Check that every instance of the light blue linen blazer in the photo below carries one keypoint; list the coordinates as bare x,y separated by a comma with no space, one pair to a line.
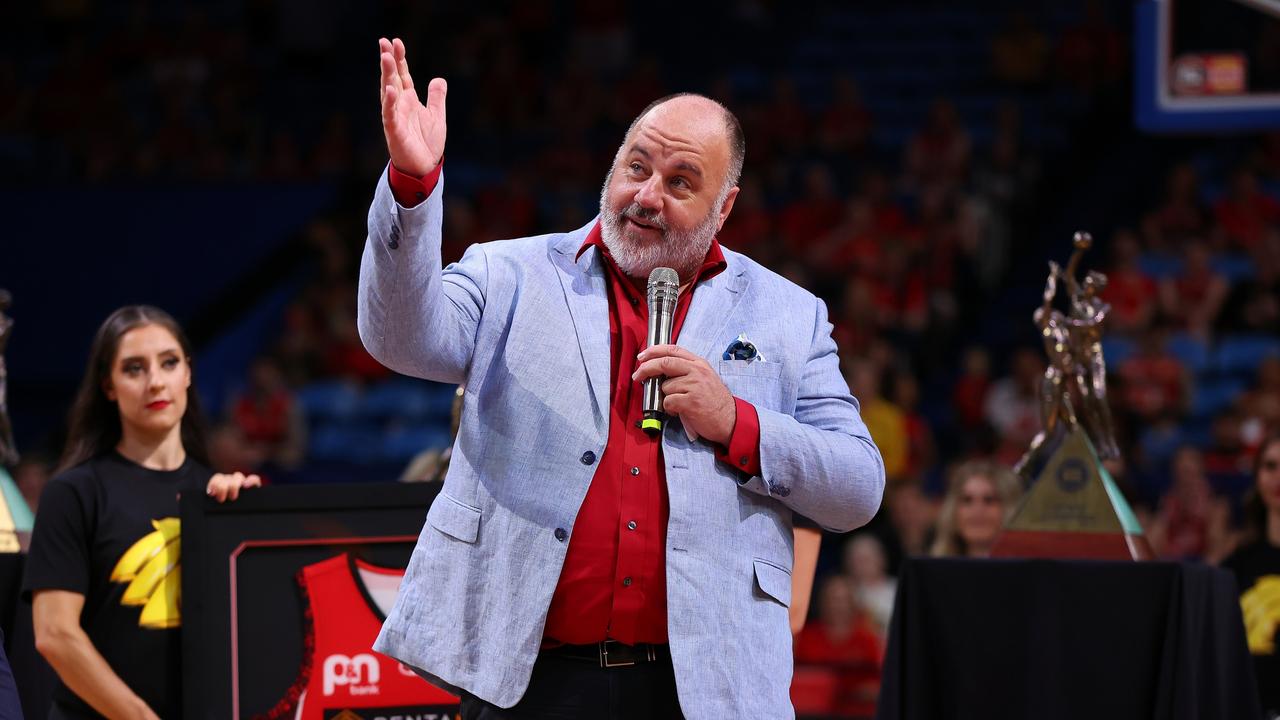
526,326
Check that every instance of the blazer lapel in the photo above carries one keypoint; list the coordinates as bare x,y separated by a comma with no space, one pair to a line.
705,329
587,293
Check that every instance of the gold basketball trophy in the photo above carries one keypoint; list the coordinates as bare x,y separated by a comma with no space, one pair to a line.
1073,508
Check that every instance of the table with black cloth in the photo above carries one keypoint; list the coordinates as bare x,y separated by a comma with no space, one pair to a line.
1046,639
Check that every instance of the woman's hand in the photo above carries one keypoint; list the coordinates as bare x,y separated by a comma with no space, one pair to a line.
226,486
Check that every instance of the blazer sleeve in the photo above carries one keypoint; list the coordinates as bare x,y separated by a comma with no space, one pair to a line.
820,460
413,316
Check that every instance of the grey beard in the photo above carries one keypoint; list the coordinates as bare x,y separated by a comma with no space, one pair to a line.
679,250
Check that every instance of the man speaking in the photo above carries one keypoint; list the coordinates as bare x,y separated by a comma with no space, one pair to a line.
578,564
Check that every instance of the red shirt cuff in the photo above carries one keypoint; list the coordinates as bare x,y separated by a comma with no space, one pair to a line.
410,190
743,453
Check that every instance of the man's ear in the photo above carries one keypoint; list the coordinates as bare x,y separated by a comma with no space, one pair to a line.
727,207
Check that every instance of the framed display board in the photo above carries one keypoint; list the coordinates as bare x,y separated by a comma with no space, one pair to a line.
249,636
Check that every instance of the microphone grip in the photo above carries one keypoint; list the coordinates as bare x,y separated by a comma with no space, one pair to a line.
660,325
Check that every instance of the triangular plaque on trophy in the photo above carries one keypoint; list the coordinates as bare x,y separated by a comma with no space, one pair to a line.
1073,510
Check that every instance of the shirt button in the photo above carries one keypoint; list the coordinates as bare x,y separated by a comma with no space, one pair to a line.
635,471
744,460
631,525
420,195
588,457
626,582
561,534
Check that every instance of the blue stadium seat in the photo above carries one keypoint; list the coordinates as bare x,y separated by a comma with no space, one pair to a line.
1158,266
1191,351
330,399
1212,395
397,398
1234,268
1117,349
401,444
347,442
1241,354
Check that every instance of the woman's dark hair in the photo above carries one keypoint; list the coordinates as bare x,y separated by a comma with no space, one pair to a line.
94,421
1255,510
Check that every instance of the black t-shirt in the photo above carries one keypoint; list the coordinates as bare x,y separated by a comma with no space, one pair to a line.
1257,570
88,518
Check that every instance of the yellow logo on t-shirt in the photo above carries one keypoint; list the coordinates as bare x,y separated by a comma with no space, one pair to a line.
1261,606
150,566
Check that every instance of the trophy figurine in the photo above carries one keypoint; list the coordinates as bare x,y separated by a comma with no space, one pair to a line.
1073,508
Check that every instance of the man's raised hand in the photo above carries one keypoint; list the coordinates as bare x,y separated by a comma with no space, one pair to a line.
415,131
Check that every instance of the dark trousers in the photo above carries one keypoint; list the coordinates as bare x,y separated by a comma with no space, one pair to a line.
568,689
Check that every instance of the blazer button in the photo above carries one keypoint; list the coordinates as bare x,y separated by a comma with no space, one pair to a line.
561,534
393,244
588,457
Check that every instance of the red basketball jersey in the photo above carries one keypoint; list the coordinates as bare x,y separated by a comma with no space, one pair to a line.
344,677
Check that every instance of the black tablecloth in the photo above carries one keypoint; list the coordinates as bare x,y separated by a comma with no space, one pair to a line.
1042,639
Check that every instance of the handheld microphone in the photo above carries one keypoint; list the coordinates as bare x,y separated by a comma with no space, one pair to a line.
664,290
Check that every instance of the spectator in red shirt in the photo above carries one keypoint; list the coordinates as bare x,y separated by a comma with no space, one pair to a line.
939,152
1192,522
268,417
843,640
1153,383
1246,212
1130,292
1191,300
1180,216
970,389
812,215
845,125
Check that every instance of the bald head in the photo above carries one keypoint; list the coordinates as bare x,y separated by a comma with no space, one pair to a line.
699,112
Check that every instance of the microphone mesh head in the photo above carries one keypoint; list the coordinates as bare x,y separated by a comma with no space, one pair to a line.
663,283
664,275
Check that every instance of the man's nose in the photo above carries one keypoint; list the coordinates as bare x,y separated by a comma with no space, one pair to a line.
649,196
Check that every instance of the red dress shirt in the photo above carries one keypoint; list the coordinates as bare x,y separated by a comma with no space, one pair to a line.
613,582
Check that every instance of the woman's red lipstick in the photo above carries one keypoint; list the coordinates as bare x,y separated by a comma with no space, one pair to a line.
158,405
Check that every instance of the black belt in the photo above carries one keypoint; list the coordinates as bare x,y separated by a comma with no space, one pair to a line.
611,653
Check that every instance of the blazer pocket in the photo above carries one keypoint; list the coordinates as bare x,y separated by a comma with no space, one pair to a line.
454,518
773,581
749,368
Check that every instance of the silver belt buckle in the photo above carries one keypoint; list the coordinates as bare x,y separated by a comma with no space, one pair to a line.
604,657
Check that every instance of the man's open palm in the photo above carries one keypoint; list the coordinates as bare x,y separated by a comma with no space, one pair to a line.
415,131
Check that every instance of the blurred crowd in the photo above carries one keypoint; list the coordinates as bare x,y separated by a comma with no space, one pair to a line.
913,235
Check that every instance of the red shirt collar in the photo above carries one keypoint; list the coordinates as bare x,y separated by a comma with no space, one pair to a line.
712,265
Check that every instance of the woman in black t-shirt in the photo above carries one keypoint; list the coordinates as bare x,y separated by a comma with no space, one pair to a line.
103,570
1257,568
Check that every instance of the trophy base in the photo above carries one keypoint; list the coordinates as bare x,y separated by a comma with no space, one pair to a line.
1065,545
1073,510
